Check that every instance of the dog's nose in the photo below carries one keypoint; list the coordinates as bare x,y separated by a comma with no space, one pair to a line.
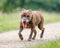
24,22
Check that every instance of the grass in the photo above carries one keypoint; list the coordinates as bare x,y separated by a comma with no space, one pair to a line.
51,44
50,19
11,21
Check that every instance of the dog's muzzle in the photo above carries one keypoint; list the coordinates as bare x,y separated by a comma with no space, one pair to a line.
24,22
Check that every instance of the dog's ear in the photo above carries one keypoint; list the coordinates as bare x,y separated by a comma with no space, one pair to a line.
30,10
21,11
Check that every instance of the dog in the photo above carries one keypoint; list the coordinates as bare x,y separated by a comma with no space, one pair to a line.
31,19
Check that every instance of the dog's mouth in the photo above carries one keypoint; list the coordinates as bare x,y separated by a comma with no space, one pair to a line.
24,25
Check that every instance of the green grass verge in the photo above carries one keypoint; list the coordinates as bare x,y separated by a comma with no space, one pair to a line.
51,44
51,19
11,21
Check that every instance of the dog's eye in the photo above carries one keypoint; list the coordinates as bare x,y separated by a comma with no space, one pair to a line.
27,16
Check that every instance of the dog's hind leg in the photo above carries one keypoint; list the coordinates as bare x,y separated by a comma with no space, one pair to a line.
20,35
40,26
42,33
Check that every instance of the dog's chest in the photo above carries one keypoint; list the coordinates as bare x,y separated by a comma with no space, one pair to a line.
29,25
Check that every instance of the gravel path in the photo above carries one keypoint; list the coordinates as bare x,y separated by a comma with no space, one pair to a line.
11,40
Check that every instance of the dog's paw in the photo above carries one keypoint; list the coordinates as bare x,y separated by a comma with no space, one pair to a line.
21,38
41,36
29,39
33,38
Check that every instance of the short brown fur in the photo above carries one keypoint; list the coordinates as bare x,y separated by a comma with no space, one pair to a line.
37,20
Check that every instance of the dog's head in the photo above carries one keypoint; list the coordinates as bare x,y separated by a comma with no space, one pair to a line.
26,17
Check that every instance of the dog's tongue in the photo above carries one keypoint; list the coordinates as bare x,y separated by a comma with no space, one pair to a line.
24,25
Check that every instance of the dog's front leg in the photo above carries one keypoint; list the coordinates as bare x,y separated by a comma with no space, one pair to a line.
20,35
35,32
30,36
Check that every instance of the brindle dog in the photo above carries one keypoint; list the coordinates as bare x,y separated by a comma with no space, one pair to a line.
31,19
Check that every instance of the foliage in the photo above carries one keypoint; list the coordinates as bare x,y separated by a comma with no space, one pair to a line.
48,5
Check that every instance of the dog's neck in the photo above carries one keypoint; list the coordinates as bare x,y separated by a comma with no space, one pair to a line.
30,22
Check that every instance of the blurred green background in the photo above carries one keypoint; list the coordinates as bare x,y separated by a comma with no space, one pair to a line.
10,12
48,5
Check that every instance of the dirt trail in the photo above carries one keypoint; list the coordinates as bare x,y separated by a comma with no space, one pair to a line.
11,40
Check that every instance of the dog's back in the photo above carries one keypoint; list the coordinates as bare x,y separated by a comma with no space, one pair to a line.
37,17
